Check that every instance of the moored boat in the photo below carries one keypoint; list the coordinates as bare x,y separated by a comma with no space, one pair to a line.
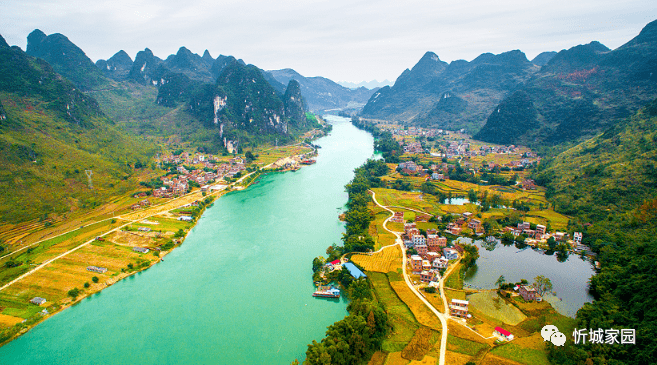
326,291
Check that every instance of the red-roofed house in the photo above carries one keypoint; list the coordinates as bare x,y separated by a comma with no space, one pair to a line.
503,333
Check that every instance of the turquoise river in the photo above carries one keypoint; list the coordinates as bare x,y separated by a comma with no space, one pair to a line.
238,290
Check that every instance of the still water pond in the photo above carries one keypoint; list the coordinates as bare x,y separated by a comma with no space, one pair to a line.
569,278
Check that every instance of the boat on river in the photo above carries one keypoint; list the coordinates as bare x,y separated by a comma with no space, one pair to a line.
326,291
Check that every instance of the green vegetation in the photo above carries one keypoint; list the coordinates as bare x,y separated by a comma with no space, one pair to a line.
52,134
608,185
354,339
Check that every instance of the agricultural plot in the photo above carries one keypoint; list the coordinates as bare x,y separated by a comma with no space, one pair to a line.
420,345
423,314
455,358
464,346
397,198
520,354
389,259
395,358
401,318
490,304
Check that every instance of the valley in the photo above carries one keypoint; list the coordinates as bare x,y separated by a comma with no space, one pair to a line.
188,206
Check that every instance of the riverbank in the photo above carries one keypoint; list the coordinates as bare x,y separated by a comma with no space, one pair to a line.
252,246
64,278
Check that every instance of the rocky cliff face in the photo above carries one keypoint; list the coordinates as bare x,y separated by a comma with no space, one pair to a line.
295,105
146,68
116,67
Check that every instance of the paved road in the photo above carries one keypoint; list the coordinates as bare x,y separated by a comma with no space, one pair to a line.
442,316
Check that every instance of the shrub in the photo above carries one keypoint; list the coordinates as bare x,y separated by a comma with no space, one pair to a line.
74,293
86,285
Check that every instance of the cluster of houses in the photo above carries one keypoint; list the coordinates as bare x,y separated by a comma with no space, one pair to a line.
432,255
414,147
179,185
465,221
539,233
142,203
417,131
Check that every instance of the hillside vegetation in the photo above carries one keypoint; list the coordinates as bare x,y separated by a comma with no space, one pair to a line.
50,135
608,183
580,92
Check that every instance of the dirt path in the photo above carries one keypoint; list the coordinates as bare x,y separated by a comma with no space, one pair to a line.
443,317
150,212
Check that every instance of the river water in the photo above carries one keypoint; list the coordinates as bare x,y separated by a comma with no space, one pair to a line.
238,291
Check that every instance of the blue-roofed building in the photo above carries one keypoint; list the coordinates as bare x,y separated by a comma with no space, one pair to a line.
354,271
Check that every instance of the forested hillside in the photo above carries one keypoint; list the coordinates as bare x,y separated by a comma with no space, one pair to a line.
457,95
608,184
50,134
578,93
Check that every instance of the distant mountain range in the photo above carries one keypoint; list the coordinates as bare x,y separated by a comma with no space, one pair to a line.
453,96
505,98
578,93
366,84
323,94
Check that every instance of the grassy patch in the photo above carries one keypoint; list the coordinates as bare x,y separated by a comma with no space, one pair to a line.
401,318
520,354
455,279
464,346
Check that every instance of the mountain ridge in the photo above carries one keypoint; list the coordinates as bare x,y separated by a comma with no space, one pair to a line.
578,93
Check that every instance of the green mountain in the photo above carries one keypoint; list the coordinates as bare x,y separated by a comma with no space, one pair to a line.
66,58
50,134
543,58
117,67
146,68
321,93
609,185
191,65
578,93
295,105
452,96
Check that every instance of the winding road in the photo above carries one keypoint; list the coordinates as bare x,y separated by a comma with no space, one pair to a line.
442,316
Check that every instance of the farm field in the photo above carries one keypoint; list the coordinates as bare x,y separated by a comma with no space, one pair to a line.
401,318
389,259
490,304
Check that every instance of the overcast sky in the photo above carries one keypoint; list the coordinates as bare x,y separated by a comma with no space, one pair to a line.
350,40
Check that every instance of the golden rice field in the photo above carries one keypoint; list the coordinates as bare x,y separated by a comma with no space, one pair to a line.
386,260
423,314
420,344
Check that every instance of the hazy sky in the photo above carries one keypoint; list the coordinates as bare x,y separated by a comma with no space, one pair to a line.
350,40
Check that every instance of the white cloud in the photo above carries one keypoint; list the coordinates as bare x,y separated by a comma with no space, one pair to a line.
343,40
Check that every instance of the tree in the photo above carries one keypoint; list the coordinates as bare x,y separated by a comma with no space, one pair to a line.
542,284
472,196
74,293
318,262
94,279
552,243
501,280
